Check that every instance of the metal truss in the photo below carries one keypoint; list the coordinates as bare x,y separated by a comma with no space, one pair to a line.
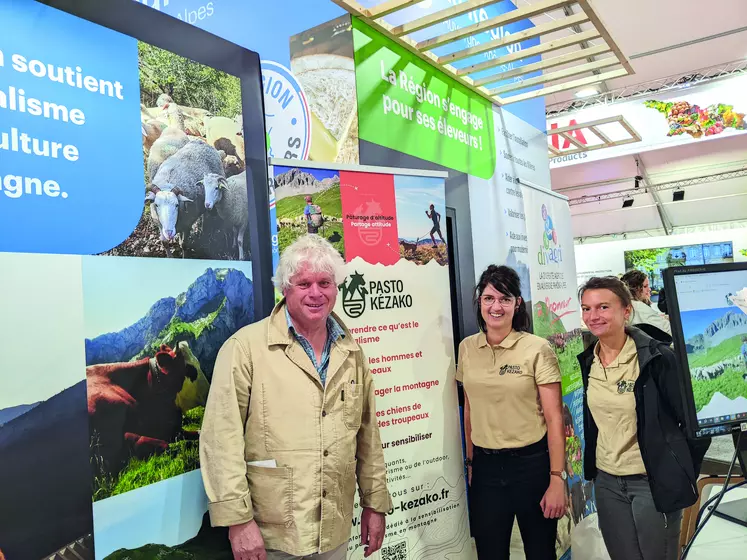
660,187
677,81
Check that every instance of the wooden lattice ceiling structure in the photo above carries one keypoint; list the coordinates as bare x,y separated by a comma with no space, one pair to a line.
575,63
605,141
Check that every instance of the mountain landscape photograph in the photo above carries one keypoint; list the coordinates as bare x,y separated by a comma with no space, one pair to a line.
292,186
44,443
150,351
714,342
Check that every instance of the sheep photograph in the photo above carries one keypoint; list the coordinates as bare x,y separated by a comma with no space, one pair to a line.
194,167
308,201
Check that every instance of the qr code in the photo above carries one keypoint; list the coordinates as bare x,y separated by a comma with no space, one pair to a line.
395,552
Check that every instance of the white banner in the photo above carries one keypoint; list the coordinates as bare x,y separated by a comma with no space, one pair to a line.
410,352
499,222
672,118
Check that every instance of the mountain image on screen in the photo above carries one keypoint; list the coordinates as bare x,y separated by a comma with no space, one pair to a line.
717,357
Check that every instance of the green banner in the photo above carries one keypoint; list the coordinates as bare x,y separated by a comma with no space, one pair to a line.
407,105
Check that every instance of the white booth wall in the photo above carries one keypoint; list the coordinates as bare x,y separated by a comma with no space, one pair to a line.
608,257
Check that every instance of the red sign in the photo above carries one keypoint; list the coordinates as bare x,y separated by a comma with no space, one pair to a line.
369,217
578,134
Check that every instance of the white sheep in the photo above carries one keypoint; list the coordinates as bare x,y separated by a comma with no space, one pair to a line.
225,134
177,195
171,140
229,198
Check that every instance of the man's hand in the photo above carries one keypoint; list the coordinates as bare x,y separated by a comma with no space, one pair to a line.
373,527
247,542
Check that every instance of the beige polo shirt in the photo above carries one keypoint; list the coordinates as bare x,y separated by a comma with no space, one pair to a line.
612,404
501,385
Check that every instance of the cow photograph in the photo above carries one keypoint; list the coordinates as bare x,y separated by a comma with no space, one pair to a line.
150,348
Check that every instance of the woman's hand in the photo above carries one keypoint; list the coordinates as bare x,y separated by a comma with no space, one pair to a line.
554,503
469,475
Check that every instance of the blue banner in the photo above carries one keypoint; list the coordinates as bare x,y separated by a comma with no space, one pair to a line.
71,156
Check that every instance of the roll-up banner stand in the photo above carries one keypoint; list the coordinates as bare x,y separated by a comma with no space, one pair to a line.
390,227
556,316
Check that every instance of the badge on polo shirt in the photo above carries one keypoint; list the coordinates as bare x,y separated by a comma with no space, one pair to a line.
511,370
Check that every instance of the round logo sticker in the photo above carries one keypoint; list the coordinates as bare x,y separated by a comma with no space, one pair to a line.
287,114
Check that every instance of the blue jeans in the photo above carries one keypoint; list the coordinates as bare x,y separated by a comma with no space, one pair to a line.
631,527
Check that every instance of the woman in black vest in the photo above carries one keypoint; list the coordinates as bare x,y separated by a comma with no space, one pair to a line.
643,465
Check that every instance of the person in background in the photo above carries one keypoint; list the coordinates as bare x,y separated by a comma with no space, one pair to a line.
643,465
662,303
313,215
290,424
513,424
640,288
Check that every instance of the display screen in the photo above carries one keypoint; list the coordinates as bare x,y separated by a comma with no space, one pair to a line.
713,315
654,261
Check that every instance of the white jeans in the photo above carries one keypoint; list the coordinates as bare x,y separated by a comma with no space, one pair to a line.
336,554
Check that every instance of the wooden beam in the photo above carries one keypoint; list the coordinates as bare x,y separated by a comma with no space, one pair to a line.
381,26
599,147
630,130
599,134
559,75
598,24
545,64
573,141
386,8
544,29
352,7
553,151
508,18
441,15
597,78
530,52
597,122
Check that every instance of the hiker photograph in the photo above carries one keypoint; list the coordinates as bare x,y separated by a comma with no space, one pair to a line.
308,201
420,237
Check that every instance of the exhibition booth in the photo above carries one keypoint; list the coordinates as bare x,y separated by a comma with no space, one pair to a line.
157,157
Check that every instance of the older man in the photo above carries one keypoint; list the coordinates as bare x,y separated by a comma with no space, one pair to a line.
290,424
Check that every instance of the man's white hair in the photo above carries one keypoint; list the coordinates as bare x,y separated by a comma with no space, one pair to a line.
314,252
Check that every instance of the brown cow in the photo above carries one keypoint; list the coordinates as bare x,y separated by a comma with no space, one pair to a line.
132,405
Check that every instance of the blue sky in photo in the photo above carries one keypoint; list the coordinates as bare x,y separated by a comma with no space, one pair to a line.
318,174
118,291
695,322
414,196
127,520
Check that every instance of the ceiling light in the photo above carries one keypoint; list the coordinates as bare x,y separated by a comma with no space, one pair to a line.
587,92
627,202
678,195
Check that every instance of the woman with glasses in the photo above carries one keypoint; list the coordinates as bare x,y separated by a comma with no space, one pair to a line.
513,424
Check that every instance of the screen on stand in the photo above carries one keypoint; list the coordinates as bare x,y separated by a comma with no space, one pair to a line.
713,315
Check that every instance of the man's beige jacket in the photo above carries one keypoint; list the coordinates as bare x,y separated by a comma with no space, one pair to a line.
266,402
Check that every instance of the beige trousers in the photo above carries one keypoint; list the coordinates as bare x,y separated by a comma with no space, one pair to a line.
336,554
